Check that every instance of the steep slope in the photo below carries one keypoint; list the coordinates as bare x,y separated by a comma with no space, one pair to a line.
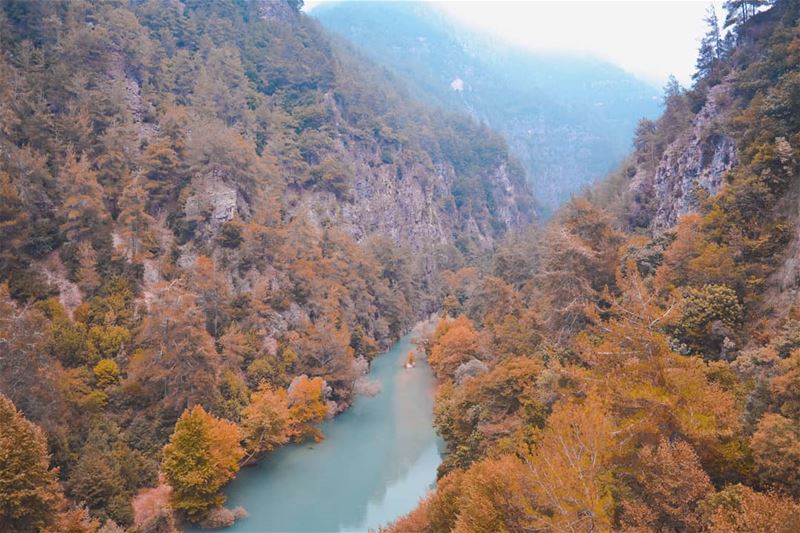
213,204
569,119
635,365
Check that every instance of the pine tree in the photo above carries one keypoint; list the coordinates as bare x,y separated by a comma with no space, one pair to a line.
711,46
29,492
177,363
672,89
137,224
740,11
88,278
82,207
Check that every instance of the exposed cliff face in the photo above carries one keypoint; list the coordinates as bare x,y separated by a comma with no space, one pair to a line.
700,156
377,180
412,201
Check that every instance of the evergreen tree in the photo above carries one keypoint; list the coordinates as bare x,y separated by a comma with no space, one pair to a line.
82,206
177,365
711,46
672,89
740,11
136,224
88,278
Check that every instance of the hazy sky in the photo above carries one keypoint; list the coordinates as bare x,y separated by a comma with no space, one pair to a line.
651,39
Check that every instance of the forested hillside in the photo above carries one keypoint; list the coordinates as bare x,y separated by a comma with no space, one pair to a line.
569,118
635,365
212,217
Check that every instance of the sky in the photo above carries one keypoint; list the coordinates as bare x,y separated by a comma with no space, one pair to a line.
648,38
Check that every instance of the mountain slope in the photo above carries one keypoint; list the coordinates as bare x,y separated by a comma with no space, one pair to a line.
218,205
635,364
569,119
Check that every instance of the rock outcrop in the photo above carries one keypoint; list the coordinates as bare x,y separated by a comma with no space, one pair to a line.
700,156
413,202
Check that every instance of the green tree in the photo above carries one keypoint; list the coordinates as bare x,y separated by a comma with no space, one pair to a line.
710,315
710,46
740,11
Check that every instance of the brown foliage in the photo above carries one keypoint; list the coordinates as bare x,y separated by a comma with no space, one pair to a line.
667,486
739,509
455,343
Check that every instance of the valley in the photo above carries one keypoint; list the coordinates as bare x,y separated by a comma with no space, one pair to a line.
222,224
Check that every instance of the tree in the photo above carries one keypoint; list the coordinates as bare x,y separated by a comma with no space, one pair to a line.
82,207
213,290
108,473
740,11
739,509
709,315
650,389
163,169
456,342
667,488
29,375
202,456
176,362
568,471
88,278
30,496
327,353
137,226
672,89
785,387
579,260
306,399
106,373
266,420
776,449
493,497
77,520
711,46
503,404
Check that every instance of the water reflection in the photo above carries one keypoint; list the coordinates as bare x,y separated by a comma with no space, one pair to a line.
378,459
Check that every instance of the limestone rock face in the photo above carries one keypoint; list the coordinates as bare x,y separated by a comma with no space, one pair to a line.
215,201
699,157
275,9
414,201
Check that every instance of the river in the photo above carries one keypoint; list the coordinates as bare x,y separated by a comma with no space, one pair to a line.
377,460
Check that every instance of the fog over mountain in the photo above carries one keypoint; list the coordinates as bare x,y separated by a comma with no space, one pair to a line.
569,118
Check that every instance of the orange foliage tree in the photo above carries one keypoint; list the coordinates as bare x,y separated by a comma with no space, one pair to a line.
455,342
307,407
266,420
202,455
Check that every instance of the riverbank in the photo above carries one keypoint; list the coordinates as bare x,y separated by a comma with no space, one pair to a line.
378,459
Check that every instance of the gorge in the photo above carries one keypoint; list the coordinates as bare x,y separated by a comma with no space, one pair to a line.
219,222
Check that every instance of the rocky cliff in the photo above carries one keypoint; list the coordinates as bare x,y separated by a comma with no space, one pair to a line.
694,164
374,172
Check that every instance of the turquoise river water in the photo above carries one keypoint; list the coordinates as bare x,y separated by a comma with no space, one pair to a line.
376,462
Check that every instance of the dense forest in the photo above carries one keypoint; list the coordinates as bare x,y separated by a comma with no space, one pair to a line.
212,217
635,364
